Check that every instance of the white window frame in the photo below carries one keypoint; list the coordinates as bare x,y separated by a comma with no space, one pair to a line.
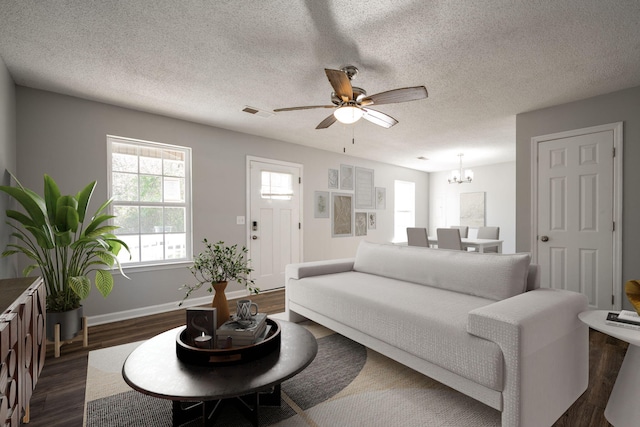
187,204
400,230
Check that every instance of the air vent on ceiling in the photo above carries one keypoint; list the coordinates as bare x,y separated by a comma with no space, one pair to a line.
257,111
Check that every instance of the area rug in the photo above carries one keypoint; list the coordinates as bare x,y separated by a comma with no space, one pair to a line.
346,385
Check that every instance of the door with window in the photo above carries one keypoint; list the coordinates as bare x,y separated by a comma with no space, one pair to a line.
575,237
274,220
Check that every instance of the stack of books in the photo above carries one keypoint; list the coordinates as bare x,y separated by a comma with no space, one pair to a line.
242,333
624,319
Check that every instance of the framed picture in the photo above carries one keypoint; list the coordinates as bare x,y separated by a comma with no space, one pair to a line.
381,198
472,209
361,224
365,196
372,219
346,177
341,215
321,204
334,176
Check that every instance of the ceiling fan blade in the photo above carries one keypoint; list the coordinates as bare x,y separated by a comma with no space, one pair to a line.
307,107
396,95
378,118
327,122
340,83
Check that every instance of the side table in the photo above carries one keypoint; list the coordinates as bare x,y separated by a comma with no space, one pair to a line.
622,408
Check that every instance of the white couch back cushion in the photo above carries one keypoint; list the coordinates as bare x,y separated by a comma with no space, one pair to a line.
493,276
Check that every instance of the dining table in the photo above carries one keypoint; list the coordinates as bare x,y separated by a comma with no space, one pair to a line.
479,244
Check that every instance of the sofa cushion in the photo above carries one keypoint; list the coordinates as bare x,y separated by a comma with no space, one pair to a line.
494,276
427,322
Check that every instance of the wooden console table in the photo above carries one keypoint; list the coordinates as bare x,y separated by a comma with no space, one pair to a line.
22,345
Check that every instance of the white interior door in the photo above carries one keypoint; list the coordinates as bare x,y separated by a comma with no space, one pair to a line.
274,220
575,214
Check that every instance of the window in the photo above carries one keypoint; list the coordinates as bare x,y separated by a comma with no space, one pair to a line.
276,185
404,209
151,188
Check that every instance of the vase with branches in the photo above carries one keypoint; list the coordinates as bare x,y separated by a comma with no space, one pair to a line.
217,265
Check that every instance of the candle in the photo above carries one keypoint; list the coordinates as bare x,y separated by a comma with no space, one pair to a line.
203,341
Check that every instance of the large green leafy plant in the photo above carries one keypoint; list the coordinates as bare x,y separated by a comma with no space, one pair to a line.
220,263
52,234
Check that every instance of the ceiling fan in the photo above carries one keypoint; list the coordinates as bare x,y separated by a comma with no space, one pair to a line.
352,103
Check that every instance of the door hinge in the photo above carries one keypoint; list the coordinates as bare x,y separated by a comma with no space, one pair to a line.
299,226
299,180
614,226
614,151
613,299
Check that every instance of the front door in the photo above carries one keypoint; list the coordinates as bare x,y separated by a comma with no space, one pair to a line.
575,213
274,220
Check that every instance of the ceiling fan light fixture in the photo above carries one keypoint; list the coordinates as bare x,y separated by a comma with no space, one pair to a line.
350,103
348,114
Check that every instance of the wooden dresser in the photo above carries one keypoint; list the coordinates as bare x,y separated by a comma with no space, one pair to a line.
22,345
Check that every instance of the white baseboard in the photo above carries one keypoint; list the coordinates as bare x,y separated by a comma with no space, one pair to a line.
156,309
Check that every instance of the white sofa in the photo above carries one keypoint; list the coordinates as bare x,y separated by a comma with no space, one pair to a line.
478,323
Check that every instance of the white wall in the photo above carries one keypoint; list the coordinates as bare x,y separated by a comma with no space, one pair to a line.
8,266
499,184
65,137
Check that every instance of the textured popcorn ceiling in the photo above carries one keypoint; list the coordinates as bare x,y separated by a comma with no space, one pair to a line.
483,62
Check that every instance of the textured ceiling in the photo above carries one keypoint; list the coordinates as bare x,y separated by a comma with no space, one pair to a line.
482,62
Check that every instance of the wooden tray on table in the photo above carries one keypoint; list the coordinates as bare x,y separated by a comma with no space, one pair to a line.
227,356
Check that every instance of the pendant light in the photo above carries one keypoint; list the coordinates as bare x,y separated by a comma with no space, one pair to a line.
457,176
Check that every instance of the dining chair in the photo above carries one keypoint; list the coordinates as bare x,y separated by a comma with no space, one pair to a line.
489,233
449,238
464,230
417,236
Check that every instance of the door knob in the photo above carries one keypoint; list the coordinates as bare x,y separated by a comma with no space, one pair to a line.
254,237
544,238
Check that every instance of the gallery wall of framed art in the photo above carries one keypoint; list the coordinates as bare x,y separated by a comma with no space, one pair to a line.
351,201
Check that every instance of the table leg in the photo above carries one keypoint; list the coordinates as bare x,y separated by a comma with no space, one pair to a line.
622,409
208,411
271,398
249,405
183,412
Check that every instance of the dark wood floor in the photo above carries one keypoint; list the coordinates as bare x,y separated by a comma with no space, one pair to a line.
58,399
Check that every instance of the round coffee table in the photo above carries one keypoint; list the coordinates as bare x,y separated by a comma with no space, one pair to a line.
154,369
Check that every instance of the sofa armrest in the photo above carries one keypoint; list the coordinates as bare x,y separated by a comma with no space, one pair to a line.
294,272
318,268
546,352
534,318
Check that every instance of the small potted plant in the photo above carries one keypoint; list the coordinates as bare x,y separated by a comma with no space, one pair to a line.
216,266
52,235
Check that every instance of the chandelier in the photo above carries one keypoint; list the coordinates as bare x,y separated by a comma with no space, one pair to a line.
457,177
